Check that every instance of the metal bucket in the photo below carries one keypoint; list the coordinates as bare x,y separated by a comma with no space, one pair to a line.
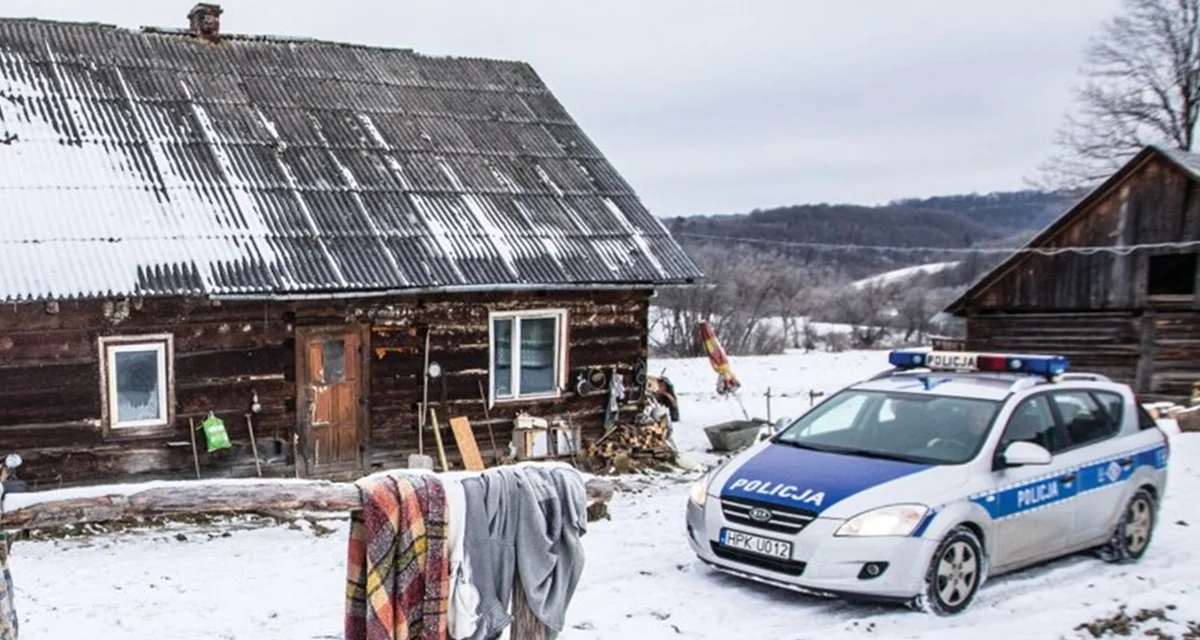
734,435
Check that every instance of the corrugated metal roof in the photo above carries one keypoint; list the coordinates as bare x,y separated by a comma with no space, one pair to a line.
149,163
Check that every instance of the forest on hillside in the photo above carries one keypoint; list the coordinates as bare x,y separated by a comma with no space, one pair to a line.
955,222
767,287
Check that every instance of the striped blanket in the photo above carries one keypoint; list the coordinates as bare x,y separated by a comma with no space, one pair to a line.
397,583
8,613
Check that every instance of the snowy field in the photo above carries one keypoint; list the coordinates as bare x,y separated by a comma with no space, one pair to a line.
641,580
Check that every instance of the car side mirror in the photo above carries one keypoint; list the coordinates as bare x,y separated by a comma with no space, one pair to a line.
1020,454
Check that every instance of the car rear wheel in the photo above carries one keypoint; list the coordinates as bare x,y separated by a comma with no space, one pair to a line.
1132,536
955,573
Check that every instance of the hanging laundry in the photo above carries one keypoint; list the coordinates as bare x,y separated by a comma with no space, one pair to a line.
398,575
549,550
8,612
527,521
461,616
9,624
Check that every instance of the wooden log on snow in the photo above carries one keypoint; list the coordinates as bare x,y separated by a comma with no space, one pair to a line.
114,502
60,507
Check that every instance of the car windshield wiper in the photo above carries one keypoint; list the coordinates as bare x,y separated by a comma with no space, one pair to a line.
850,451
807,445
883,455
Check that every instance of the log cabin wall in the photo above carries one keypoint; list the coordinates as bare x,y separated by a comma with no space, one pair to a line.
1136,317
225,354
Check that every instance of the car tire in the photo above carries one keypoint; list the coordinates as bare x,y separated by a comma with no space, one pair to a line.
1133,532
956,571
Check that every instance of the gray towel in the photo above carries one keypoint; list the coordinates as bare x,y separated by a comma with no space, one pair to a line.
527,519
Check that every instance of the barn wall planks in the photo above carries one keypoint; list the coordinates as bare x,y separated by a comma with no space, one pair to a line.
1097,308
1158,353
1106,343
1176,354
1157,203
229,353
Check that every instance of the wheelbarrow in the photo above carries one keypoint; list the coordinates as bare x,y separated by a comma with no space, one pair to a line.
734,435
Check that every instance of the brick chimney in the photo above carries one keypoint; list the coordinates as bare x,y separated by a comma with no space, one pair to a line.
204,21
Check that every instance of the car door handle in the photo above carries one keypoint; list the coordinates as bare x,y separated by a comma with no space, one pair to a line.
1070,477
1126,462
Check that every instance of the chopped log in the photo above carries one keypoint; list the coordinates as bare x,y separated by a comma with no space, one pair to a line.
525,625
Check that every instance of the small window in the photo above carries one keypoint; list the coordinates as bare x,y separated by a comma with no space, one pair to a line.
1085,421
527,354
1114,407
1033,422
333,361
1145,420
137,380
1172,274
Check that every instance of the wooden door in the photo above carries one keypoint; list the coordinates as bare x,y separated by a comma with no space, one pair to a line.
331,379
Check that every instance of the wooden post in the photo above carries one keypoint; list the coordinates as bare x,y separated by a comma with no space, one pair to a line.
195,452
253,444
525,625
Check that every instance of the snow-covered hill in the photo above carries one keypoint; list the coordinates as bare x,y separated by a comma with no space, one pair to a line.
897,275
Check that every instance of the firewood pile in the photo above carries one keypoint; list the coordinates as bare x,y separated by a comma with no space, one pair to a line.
627,447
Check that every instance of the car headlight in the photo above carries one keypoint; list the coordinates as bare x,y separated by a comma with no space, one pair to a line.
896,520
699,493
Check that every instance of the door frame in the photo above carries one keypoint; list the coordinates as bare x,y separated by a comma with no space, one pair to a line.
303,426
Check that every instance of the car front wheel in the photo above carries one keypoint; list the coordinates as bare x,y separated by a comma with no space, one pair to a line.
955,573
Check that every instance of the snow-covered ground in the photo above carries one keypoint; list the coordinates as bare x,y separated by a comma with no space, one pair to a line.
640,581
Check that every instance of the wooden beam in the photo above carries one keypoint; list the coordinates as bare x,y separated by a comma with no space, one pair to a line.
41,509
115,502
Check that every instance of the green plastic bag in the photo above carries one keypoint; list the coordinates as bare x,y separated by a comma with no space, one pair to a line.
215,435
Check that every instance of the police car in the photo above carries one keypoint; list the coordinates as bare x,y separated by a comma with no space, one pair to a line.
915,485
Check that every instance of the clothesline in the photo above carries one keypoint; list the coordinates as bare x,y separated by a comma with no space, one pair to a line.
460,555
104,503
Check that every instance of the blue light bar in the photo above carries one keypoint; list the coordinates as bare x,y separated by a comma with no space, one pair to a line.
1037,364
902,359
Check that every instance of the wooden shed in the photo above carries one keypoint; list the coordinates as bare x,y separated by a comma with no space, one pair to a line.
197,223
1132,313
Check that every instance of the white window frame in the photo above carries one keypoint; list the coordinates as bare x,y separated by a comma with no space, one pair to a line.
560,354
164,346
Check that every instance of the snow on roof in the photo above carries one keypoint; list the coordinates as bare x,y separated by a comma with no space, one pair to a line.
151,163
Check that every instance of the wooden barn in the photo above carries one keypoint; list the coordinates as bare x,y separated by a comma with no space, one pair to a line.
1132,314
278,233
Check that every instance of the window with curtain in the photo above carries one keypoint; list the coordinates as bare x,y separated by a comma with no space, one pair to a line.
527,354
137,381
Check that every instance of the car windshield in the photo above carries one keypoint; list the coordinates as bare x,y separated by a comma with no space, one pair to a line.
926,428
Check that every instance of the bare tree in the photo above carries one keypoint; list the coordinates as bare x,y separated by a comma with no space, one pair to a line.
743,289
1142,86
869,310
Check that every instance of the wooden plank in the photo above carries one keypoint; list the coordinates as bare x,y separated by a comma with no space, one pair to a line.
465,439
1144,376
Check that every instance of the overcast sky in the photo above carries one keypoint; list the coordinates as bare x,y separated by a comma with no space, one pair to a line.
710,106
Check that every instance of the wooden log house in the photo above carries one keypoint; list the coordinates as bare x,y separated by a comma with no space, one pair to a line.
197,223
1133,316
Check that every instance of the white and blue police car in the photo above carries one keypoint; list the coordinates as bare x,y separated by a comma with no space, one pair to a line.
917,484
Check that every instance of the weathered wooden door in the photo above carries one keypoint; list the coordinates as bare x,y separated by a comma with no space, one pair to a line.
331,380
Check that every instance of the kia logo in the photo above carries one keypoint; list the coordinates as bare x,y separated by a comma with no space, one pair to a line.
758,514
